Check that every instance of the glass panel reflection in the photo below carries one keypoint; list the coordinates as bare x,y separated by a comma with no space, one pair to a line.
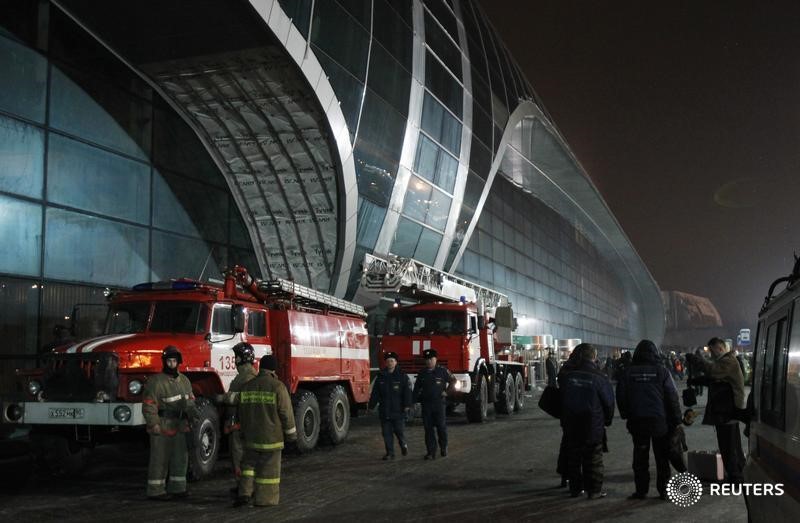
21,157
117,254
24,80
120,187
21,236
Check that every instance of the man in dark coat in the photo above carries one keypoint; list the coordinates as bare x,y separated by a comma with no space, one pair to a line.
725,382
430,390
392,393
550,367
648,400
587,407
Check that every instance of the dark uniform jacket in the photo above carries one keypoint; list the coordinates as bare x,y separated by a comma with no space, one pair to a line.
431,386
646,395
265,413
392,393
587,402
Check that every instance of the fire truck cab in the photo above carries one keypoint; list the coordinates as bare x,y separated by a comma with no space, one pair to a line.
469,326
89,391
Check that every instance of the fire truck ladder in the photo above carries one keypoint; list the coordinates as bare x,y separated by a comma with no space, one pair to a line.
308,297
411,278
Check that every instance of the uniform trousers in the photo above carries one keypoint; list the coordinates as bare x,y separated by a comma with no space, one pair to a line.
168,455
434,419
641,462
261,476
584,465
391,428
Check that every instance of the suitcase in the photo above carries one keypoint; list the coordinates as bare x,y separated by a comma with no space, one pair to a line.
706,465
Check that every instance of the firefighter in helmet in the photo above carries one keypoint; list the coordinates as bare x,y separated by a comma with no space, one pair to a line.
169,408
265,412
245,357
430,390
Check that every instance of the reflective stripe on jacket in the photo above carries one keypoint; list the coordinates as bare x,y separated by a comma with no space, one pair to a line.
265,413
173,397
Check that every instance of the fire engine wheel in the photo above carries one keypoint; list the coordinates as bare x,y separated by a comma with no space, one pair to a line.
507,397
519,399
59,455
334,406
477,405
307,419
205,440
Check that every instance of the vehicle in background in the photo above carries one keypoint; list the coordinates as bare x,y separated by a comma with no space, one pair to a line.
468,325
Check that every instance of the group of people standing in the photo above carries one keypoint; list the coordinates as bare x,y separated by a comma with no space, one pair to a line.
259,420
647,399
260,417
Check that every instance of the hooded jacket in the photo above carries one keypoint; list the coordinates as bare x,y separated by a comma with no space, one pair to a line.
587,401
646,395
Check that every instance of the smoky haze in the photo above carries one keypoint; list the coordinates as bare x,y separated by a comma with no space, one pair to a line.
686,117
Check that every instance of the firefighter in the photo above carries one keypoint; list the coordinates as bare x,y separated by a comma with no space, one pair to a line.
245,357
265,413
392,391
168,407
430,390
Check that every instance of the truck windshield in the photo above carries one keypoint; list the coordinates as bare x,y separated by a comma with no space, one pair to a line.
179,316
127,318
426,322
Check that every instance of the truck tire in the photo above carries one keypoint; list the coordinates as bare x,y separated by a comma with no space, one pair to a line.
477,404
58,455
307,419
334,406
519,399
506,398
205,441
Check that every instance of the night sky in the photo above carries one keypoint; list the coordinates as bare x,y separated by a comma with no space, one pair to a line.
686,115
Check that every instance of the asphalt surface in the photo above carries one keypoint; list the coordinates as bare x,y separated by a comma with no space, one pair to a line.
502,470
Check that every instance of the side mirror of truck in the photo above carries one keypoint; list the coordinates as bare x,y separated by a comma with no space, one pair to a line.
237,318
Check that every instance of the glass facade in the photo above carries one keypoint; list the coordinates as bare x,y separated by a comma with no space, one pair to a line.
224,147
555,278
101,183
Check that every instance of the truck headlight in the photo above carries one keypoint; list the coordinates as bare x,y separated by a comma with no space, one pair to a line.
135,387
13,412
457,385
34,387
122,413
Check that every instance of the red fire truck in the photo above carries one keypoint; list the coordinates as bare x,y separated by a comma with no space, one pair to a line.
91,390
468,325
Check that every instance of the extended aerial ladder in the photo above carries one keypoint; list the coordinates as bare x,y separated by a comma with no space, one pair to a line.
409,278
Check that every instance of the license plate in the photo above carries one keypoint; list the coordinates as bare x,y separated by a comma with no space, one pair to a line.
66,413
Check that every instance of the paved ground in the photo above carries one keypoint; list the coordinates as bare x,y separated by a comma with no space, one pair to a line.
502,470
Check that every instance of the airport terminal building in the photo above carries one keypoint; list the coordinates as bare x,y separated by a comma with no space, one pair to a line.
161,139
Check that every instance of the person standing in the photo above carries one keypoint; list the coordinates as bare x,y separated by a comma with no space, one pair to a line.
266,416
168,407
648,400
725,382
392,394
245,357
562,467
430,390
551,368
587,407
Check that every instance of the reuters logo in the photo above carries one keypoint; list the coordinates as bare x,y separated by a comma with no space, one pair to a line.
684,489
